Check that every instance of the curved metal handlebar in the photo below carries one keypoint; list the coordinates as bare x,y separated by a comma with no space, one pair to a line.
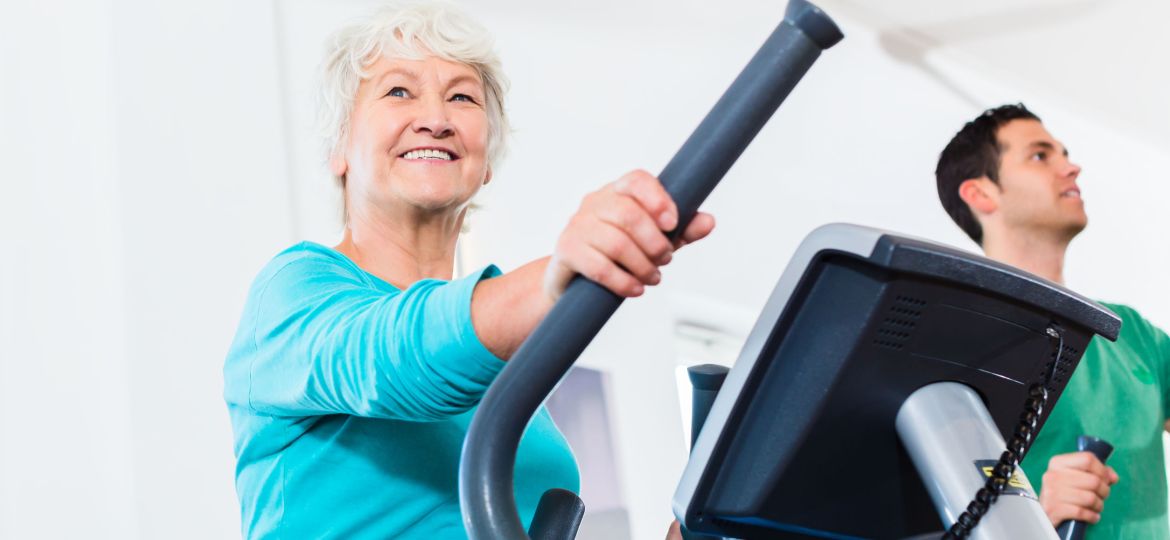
489,452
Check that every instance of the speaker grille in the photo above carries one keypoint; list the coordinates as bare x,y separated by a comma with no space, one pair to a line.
898,326
1062,371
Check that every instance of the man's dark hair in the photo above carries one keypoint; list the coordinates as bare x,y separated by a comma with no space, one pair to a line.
972,153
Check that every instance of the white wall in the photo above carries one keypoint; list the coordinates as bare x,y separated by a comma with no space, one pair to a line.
156,154
204,203
66,449
144,184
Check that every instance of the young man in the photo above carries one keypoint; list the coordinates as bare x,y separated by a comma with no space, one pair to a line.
1011,187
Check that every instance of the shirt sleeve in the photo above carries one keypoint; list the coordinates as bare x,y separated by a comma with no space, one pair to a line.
1161,356
327,343
1152,344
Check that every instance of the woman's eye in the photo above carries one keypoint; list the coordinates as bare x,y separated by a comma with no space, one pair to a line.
398,91
463,97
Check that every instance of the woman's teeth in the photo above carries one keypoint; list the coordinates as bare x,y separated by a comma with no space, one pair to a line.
427,154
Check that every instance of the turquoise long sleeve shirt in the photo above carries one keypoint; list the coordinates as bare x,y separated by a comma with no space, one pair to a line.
350,400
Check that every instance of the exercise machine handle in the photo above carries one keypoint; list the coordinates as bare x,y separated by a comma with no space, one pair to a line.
706,380
489,453
558,516
1075,530
488,460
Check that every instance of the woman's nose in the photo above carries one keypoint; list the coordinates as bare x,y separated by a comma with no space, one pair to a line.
433,118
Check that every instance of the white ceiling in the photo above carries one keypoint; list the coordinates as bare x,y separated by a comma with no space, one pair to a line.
1109,59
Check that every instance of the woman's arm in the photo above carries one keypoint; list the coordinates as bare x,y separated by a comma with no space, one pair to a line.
323,342
320,340
504,310
617,238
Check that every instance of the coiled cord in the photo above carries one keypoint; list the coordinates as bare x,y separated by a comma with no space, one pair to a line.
1017,447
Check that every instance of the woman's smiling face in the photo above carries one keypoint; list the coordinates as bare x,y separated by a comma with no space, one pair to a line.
417,138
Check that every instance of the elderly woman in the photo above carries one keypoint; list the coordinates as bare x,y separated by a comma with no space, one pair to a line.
356,369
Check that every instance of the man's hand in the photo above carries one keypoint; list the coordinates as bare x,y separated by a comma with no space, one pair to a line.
617,237
674,532
1075,487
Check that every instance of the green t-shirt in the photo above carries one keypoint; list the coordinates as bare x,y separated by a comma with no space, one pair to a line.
1119,393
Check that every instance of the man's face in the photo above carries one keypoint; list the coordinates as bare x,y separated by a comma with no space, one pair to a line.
1037,182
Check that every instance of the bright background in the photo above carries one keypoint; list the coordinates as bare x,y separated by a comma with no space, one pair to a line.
155,154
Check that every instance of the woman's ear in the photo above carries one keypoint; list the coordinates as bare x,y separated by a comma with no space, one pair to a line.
487,177
981,194
338,165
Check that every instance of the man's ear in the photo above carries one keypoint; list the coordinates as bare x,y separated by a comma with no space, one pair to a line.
487,177
338,165
981,194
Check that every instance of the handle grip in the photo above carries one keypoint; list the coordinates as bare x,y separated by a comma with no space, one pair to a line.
1075,530
558,516
706,380
489,452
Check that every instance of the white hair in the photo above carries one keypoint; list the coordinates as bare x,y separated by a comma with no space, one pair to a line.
414,31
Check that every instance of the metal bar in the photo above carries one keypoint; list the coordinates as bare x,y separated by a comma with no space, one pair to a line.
950,437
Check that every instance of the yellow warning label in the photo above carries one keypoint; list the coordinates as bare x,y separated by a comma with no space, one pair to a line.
1017,485
1017,480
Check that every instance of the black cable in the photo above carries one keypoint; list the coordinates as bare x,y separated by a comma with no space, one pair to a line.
1017,448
